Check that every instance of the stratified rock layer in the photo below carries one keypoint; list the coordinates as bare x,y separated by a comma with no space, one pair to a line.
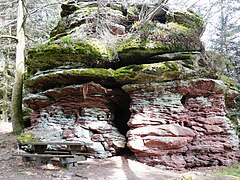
180,124
81,113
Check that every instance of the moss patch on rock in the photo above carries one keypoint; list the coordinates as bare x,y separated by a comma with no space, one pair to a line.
228,81
188,19
28,137
65,51
70,77
158,72
157,38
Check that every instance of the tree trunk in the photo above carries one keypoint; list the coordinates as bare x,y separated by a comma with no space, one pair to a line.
223,16
5,90
17,119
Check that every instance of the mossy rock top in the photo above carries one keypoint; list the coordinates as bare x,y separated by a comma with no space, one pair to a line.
62,78
143,73
188,19
156,72
155,39
75,45
68,52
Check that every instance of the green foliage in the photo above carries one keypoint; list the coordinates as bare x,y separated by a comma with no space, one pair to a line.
235,115
218,67
233,170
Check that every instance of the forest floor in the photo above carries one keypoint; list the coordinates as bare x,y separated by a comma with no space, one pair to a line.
115,168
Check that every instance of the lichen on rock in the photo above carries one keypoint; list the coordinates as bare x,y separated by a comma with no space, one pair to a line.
28,137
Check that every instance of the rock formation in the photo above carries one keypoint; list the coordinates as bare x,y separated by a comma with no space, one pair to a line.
81,113
180,124
146,84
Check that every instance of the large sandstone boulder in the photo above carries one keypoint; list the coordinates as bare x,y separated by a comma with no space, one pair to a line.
147,84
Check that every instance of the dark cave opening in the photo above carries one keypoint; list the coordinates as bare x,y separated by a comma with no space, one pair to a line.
122,116
183,100
121,119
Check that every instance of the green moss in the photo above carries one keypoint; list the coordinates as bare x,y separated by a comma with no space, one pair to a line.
106,52
86,10
159,39
66,52
188,19
67,39
28,137
70,77
228,81
145,73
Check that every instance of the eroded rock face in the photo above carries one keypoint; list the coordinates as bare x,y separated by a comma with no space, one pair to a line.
180,124
82,113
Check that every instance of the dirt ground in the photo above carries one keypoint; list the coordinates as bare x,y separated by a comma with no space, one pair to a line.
115,168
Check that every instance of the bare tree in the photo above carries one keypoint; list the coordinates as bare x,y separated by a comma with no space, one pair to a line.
9,20
17,118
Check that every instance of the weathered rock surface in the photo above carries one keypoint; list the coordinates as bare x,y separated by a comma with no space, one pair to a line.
76,42
181,124
58,78
81,113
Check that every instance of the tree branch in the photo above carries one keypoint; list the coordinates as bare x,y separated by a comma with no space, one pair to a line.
8,36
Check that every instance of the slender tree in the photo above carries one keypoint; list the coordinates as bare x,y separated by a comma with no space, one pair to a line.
36,29
17,121
227,27
227,40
